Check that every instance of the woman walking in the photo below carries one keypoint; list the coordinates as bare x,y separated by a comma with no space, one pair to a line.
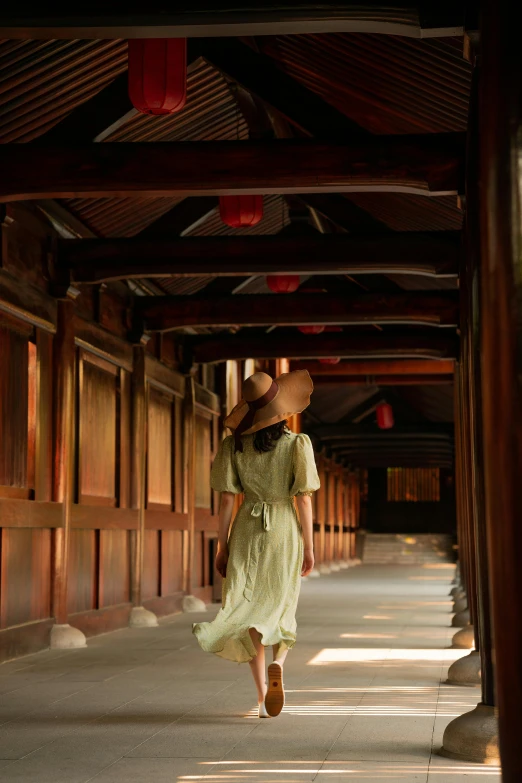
268,551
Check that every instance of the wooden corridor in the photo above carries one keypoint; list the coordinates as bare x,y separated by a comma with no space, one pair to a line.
366,699
331,187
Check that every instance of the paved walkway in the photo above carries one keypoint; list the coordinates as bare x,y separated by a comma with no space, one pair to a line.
364,698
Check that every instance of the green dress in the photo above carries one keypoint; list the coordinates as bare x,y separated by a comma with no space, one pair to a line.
265,545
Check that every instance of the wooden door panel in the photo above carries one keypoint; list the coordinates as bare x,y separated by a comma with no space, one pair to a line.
25,576
82,582
114,579
151,564
97,446
171,561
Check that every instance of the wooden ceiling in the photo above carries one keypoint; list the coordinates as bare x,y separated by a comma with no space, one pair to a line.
351,122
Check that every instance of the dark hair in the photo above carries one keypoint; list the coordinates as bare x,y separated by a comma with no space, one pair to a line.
266,439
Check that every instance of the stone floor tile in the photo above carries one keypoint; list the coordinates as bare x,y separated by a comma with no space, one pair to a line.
372,772
442,770
376,735
130,770
147,704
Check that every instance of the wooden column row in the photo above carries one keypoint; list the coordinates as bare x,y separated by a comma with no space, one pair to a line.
336,515
99,507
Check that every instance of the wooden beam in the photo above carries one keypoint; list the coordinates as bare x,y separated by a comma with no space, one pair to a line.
383,380
435,254
426,165
201,18
181,219
344,213
162,314
96,118
260,75
434,345
396,367
337,432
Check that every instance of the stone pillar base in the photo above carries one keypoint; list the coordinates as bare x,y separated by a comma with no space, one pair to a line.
192,604
314,574
324,569
473,737
461,620
142,618
335,566
357,561
65,637
456,593
465,671
344,564
460,604
464,639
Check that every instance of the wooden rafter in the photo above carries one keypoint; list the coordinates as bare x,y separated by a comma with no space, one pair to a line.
428,165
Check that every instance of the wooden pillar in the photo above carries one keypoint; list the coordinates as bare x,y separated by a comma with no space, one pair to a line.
140,617
321,512
330,512
190,469
471,587
459,491
63,447
471,363
500,141
64,410
474,735
138,469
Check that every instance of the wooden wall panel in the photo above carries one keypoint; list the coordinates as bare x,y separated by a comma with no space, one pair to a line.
83,571
159,449
13,408
151,565
114,567
203,462
171,561
25,565
97,445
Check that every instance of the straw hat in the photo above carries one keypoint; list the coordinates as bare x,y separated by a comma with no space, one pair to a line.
266,402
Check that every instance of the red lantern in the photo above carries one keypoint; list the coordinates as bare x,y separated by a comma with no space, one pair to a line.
385,416
158,74
241,211
311,329
330,360
283,284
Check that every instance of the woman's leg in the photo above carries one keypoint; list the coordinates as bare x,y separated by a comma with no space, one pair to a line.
279,657
257,665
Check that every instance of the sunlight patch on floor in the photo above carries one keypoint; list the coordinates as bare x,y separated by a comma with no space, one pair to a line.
360,654
368,636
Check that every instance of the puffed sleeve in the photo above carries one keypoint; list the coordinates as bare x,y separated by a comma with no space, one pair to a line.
306,479
224,476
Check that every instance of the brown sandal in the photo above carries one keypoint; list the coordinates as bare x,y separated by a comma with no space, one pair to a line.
275,695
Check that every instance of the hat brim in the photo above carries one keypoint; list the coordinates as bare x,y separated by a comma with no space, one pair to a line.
295,389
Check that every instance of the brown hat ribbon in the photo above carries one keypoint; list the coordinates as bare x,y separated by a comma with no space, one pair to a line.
248,419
